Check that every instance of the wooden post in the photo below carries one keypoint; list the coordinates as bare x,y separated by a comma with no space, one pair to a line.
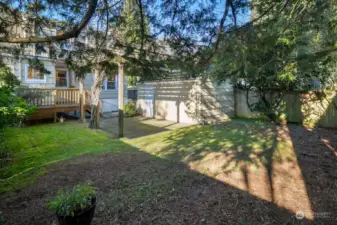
55,96
82,101
55,113
120,100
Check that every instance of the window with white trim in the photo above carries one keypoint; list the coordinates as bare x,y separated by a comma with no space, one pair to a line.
34,75
110,84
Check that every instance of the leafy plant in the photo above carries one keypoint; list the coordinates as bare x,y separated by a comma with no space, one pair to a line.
71,202
130,109
282,52
7,78
13,109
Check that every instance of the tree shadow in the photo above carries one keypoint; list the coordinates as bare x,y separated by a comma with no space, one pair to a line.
135,127
259,158
317,155
137,188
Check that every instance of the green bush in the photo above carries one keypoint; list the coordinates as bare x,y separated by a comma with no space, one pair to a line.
13,109
71,202
130,109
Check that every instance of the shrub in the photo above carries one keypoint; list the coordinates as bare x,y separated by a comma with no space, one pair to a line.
13,109
71,202
130,109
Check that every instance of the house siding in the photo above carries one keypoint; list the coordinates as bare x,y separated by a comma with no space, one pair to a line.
109,97
18,66
105,94
19,69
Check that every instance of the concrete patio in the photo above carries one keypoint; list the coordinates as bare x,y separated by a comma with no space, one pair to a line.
139,126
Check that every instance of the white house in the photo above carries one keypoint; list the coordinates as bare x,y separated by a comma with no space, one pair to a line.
60,87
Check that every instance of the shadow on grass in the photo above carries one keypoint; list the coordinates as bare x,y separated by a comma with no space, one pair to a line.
259,158
135,127
136,187
238,173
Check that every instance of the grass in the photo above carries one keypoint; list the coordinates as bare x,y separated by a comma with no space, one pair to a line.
32,148
139,187
209,150
251,143
244,142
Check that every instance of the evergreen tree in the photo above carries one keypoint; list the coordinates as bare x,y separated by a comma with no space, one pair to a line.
290,47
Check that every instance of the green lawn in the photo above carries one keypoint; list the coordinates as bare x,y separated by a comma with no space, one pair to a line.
196,173
239,142
31,148
242,142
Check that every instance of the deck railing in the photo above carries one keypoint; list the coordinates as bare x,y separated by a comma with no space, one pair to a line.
53,97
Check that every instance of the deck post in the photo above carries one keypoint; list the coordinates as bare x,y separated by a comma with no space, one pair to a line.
120,100
55,96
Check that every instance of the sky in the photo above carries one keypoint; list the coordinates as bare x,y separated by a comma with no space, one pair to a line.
152,8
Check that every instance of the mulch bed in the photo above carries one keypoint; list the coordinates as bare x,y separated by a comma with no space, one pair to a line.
136,188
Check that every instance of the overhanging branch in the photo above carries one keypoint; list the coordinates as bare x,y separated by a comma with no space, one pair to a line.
220,29
222,22
67,35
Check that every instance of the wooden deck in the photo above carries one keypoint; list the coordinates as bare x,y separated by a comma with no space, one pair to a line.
49,101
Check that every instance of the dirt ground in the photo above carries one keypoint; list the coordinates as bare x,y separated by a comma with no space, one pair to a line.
137,188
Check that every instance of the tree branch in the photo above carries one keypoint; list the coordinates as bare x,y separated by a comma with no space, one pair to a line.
67,35
140,5
220,29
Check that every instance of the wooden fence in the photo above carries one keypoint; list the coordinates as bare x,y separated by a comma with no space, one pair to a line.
310,108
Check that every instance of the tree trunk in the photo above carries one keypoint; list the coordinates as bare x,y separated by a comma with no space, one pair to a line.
95,94
269,110
120,100
82,103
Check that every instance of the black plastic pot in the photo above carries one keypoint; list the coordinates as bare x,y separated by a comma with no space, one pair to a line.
82,218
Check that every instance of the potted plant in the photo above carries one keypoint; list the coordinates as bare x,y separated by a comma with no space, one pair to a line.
75,206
